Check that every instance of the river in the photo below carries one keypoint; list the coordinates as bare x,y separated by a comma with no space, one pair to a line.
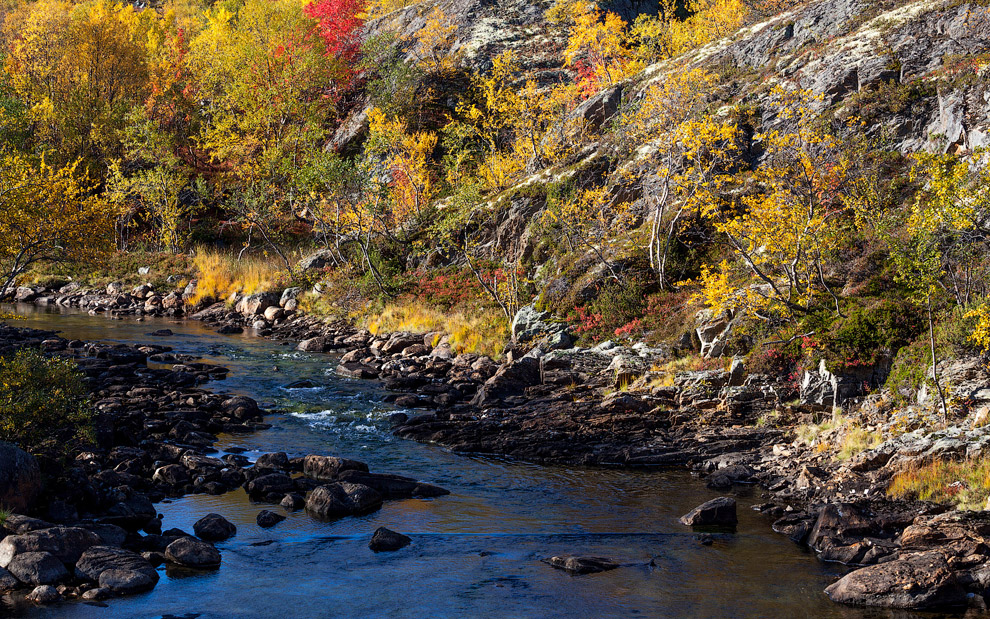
476,552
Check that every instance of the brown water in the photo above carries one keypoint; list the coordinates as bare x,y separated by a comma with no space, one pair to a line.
475,553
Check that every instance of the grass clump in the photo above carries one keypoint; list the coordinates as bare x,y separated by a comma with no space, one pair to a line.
44,404
220,275
858,440
481,331
964,484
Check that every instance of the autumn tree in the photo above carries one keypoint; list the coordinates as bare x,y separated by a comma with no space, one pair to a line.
782,232
48,214
80,68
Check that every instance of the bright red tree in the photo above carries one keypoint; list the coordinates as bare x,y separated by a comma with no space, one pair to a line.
338,24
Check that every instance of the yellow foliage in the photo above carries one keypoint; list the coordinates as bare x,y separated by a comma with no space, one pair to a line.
220,275
664,36
483,332
406,157
48,213
78,67
435,39
378,8
598,40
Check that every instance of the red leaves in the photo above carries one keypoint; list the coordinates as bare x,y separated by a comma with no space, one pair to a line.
339,26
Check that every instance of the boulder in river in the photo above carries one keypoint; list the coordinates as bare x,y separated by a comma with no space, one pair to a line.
270,487
393,486
387,540
37,568
20,478
717,512
342,499
214,528
126,582
8,582
581,565
67,544
194,553
267,519
919,582
99,559
327,468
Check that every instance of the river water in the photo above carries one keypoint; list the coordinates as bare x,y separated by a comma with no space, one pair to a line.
475,553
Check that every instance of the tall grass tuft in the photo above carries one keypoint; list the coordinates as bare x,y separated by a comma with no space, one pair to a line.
965,484
482,331
221,275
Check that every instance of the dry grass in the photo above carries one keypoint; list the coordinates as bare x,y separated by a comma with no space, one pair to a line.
964,484
483,331
221,275
857,440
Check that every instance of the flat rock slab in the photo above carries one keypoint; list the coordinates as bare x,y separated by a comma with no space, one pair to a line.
99,559
919,582
717,512
581,565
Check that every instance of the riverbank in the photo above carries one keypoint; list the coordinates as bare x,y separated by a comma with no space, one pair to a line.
609,407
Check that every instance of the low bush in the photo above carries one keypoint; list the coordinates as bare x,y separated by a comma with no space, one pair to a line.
964,484
43,403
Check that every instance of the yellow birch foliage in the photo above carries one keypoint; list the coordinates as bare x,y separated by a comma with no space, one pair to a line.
48,213
79,68
406,157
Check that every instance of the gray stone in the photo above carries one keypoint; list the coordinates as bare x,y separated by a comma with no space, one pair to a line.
193,553
342,499
717,512
582,565
327,468
214,528
37,568
45,594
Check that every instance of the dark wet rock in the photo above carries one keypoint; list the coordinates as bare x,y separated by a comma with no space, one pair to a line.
66,544
921,582
270,487
315,344
8,582
725,478
327,468
301,384
705,539
172,475
510,380
45,594
126,582
37,568
293,501
230,330
393,486
214,528
342,499
110,534
387,540
99,559
20,478
267,519
276,461
839,524
154,558
162,333
193,553
96,595
581,565
717,512
19,524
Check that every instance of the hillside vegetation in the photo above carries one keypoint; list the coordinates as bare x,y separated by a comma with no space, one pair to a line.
805,183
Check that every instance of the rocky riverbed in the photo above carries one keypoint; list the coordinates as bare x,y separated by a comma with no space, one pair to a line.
603,407
99,534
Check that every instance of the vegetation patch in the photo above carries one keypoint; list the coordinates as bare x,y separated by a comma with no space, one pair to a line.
964,484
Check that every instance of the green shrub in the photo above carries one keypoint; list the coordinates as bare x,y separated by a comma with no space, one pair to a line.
43,402
865,335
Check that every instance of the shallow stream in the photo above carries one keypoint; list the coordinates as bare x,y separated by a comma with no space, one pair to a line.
475,553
